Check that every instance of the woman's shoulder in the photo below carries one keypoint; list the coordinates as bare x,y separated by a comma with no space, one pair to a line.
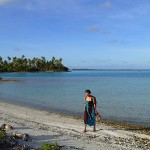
93,97
85,98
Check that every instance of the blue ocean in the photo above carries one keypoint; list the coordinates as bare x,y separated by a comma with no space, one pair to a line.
122,95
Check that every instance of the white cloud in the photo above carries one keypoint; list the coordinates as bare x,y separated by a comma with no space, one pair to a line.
106,5
122,15
51,5
17,49
3,2
105,32
93,29
97,29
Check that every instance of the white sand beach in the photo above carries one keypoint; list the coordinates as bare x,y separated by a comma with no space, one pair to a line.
46,127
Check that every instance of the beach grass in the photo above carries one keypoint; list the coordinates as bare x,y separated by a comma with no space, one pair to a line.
2,135
51,146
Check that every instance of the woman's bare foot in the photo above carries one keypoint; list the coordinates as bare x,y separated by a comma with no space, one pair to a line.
84,129
94,130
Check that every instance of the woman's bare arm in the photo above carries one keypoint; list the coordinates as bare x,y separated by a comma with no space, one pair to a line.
94,101
84,102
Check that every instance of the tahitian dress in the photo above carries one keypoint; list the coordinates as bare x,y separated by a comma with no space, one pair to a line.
89,113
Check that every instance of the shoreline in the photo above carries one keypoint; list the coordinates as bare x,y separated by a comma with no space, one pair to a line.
110,122
67,130
34,72
8,80
113,122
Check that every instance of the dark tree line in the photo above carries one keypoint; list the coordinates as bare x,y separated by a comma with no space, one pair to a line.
31,65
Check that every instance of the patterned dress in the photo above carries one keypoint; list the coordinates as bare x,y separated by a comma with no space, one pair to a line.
89,113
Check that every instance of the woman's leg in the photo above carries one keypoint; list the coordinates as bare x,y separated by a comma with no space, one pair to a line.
85,120
94,128
84,128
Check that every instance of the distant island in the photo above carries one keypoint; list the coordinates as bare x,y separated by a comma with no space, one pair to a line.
24,64
84,69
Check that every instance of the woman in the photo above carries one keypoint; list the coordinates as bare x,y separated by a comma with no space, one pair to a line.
90,110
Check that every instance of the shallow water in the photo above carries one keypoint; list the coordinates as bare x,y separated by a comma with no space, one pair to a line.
121,95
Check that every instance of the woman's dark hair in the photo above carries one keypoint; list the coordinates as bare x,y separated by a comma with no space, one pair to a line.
88,91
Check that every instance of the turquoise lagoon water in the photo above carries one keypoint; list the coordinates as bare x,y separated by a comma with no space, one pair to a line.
121,95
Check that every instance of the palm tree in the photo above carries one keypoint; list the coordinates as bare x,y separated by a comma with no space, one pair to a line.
59,63
35,64
1,64
43,59
14,63
22,57
1,60
53,60
60,60
14,59
9,59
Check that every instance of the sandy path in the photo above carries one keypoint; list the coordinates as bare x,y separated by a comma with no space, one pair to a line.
43,126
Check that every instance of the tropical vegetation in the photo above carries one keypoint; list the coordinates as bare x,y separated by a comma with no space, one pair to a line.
52,146
24,64
2,135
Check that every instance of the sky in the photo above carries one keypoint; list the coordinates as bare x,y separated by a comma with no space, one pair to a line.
101,34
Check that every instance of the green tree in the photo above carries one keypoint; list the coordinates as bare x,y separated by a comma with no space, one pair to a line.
1,60
35,64
9,59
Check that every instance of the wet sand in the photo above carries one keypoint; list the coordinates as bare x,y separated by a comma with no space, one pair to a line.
44,126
